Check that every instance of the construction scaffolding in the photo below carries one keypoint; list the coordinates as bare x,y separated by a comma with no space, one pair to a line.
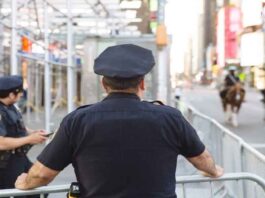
52,44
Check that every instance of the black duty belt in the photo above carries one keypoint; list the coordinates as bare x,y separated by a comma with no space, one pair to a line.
5,155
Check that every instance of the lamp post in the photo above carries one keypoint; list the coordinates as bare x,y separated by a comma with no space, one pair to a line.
13,58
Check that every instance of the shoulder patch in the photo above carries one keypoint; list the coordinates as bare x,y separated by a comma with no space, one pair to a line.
84,106
156,102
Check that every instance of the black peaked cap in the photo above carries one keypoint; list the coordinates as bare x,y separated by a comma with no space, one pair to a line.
9,83
124,61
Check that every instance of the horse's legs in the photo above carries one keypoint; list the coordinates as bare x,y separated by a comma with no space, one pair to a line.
234,119
228,113
222,95
242,97
224,105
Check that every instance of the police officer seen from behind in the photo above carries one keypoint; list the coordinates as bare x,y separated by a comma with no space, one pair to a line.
122,147
15,138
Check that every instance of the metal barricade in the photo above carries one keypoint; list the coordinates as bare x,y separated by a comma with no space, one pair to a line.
182,187
220,191
38,191
229,150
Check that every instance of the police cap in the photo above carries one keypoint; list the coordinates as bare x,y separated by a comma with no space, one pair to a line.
124,61
232,68
11,83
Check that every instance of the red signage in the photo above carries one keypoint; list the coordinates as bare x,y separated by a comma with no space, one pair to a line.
232,27
26,44
228,28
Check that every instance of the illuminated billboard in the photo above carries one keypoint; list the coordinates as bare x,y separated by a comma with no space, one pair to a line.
228,27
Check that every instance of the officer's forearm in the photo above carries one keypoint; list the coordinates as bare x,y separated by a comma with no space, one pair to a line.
8,143
38,175
205,163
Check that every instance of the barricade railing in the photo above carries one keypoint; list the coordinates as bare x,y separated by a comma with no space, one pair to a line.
212,190
183,181
229,150
37,191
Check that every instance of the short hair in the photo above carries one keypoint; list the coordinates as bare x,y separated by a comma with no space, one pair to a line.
122,83
16,91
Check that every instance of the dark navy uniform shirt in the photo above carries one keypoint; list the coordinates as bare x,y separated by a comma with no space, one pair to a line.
11,122
231,80
12,125
123,148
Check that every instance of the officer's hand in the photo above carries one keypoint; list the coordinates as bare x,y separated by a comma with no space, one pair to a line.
218,173
20,182
37,137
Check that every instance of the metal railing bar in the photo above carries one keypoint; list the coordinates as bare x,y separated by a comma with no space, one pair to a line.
228,132
224,195
183,190
218,190
227,177
238,189
254,151
179,180
40,190
211,188
42,60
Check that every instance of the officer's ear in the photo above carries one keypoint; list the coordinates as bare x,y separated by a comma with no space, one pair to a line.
104,85
142,84
11,95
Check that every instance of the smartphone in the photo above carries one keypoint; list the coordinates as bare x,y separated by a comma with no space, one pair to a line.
49,134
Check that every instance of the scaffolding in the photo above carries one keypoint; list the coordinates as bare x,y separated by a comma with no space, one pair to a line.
43,41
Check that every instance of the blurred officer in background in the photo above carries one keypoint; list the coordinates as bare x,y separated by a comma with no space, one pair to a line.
122,146
230,80
15,138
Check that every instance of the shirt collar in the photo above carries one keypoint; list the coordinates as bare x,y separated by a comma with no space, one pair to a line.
118,95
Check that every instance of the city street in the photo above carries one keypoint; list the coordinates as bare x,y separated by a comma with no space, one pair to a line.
251,116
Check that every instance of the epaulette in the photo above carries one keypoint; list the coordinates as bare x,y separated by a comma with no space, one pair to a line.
156,102
84,106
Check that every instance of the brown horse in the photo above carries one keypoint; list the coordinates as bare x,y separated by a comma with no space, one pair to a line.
232,99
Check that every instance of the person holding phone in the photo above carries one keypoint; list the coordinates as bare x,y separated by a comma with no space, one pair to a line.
15,138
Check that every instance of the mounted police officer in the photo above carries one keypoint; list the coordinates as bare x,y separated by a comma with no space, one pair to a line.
230,80
15,138
232,96
122,146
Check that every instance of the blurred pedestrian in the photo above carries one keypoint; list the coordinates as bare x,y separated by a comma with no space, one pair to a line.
122,146
242,76
15,138
178,92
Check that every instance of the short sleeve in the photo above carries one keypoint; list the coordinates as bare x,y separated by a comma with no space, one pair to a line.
3,131
58,153
190,143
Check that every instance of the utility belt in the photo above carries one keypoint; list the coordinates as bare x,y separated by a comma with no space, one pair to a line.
74,191
5,155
